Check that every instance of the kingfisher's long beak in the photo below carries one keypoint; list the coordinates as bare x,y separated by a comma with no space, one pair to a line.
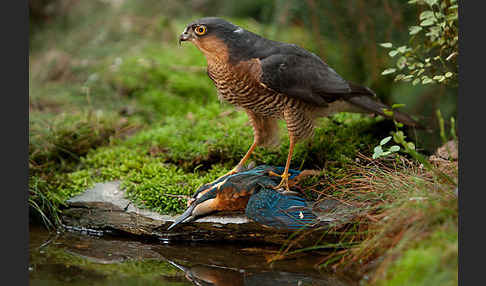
185,36
187,216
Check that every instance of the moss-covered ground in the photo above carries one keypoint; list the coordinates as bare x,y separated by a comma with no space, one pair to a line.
126,103
144,111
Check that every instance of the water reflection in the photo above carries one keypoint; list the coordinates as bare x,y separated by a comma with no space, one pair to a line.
86,260
205,275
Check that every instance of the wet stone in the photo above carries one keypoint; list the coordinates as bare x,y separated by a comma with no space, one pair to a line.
107,196
104,208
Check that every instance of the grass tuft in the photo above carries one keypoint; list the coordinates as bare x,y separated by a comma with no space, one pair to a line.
406,213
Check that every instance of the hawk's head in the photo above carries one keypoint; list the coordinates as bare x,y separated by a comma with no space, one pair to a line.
214,36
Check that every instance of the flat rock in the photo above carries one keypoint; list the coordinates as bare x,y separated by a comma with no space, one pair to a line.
107,196
104,208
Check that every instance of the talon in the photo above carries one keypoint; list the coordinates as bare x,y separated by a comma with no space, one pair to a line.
284,183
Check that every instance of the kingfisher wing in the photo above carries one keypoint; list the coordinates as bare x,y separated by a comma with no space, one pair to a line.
271,208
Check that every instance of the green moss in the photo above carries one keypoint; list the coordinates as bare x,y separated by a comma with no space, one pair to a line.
159,165
159,186
55,141
336,142
136,74
207,135
432,262
149,181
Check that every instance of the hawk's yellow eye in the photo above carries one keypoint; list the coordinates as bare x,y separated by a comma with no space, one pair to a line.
200,30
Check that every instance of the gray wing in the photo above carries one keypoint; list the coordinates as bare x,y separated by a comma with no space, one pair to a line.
303,75
300,74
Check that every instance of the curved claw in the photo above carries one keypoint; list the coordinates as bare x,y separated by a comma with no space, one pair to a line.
284,183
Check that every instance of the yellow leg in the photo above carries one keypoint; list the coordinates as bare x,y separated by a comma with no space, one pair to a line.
238,167
285,175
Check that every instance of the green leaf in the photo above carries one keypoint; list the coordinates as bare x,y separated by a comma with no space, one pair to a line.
401,62
452,17
385,140
393,53
439,78
399,77
388,71
414,30
397,105
434,31
410,145
426,14
408,78
399,136
394,148
402,49
386,45
426,80
377,152
427,22
416,81
448,74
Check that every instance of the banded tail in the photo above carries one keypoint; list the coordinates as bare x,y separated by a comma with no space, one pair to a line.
363,98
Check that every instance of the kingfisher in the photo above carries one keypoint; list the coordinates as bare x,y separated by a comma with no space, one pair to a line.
253,191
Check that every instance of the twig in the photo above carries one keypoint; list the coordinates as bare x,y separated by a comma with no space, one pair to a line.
179,196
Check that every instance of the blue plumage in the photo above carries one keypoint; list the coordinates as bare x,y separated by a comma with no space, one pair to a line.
252,190
274,209
248,179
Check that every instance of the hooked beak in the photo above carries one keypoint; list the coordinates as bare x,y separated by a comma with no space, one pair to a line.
185,217
185,36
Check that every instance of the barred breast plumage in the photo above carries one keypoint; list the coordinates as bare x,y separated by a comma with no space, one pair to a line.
236,85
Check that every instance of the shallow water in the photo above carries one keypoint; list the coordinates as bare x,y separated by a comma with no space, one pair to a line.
73,258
